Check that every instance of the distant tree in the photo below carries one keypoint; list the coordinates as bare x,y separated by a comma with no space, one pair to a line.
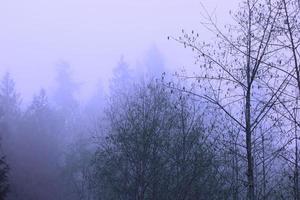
4,170
36,163
65,102
4,182
9,98
65,92
9,121
154,63
9,104
122,78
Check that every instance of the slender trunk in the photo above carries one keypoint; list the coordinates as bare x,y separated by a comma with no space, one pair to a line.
295,58
296,172
251,189
234,193
250,173
264,167
236,173
296,175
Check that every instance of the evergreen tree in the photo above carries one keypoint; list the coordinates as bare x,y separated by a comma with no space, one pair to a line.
64,95
4,170
9,118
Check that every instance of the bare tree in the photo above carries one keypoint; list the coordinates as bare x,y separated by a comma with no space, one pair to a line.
287,40
156,147
237,73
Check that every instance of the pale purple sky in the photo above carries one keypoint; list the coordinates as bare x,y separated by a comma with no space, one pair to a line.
92,35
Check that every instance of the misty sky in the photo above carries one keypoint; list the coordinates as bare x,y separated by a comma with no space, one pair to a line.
92,35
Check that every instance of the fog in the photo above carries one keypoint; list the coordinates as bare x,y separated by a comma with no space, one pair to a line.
149,99
91,35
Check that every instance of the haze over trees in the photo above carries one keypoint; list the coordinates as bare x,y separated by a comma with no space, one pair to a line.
229,130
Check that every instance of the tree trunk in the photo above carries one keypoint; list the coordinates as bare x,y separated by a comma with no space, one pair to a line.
250,174
264,168
296,172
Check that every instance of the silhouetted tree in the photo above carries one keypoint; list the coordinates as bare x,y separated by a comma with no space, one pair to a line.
4,170
155,147
36,164
237,75
9,122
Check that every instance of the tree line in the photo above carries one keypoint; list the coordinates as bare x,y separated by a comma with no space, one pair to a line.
229,131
